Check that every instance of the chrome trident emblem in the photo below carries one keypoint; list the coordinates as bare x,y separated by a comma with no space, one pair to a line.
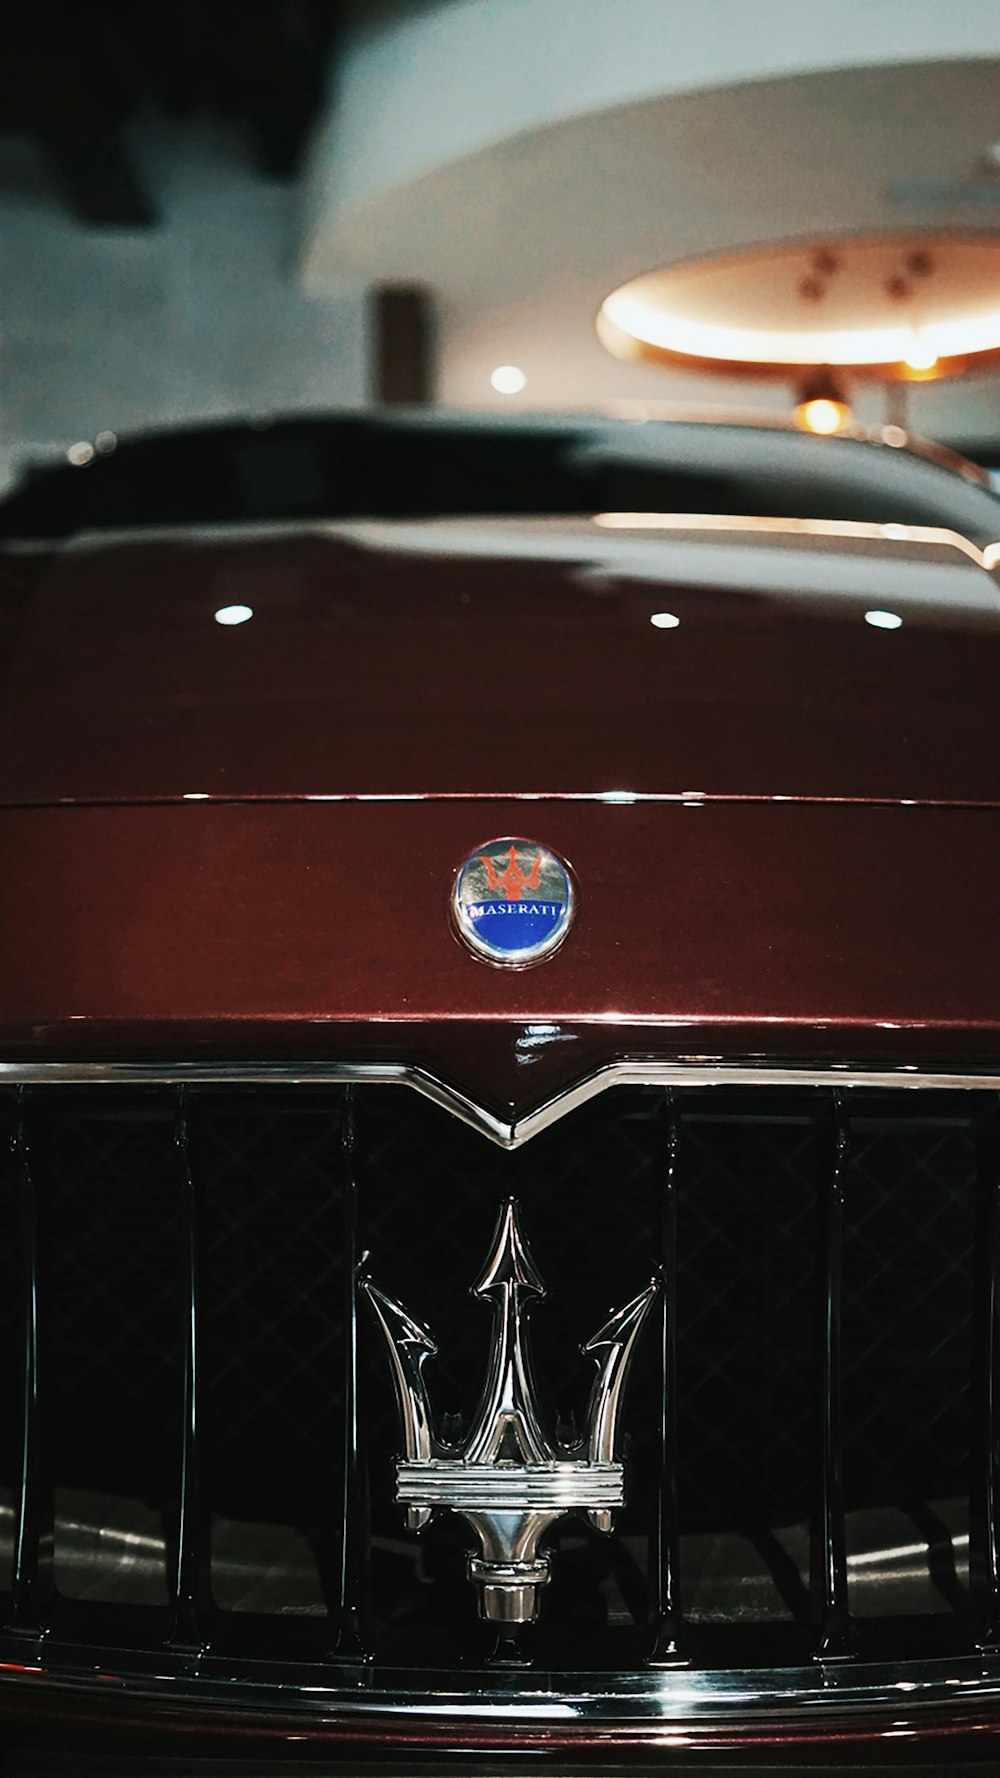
507,1479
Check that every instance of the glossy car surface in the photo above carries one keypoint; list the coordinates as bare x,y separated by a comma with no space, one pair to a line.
771,808
769,751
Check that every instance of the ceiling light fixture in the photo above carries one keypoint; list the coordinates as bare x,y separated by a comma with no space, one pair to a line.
921,357
508,379
888,306
624,323
822,406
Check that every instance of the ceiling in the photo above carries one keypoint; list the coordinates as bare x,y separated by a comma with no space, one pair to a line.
524,238
524,158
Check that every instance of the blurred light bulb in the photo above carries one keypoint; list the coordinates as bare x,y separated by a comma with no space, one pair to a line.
921,356
507,379
822,405
822,416
234,614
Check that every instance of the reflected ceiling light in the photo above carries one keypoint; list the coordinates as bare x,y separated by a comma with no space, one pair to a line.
508,379
80,454
988,558
234,614
664,620
196,796
883,620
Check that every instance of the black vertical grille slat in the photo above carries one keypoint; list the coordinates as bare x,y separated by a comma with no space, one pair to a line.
746,1306
110,1209
828,1553
34,1497
350,1642
909,1290
668,1644
269,1167
984,1501
190,1572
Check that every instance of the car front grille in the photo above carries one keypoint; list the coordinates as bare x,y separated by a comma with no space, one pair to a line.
199,1428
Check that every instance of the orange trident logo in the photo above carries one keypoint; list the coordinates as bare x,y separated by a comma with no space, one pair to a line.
513,881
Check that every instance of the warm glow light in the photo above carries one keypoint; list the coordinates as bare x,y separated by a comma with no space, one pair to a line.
638,318
822,416
234,614
664,620
921,356
507,379
883,620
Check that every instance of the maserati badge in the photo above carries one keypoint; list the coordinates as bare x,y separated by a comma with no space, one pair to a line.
513,902
506,1477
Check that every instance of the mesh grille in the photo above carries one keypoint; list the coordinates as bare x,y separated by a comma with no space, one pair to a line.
272,1294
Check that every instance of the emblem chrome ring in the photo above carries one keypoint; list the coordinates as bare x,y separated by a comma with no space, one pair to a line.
513,902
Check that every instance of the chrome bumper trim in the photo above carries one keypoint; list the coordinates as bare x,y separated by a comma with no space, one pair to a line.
659,1707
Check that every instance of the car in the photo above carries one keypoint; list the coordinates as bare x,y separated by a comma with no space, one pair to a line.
495,1267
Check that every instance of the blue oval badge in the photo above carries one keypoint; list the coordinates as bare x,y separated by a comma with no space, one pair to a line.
513,902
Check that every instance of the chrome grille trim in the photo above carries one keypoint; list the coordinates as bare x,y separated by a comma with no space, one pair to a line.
640,1706
694,1071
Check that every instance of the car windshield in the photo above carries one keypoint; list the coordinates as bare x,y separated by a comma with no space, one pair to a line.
320,468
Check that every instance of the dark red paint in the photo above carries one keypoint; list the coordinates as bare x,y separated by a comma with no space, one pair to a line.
366,671
322,929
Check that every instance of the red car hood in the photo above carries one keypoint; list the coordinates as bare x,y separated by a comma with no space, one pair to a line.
493,659
401,695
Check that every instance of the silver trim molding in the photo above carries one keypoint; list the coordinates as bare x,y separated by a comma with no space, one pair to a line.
859,1703
694,1071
